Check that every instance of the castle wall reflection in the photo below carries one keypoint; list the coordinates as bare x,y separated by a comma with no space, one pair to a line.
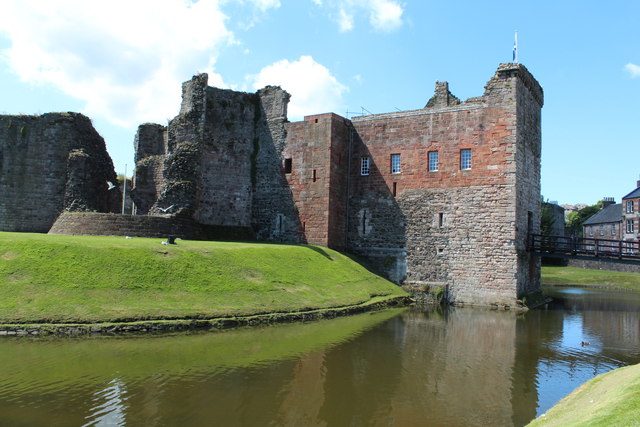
438,366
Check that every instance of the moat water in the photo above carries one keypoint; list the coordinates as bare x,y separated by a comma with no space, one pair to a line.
438,366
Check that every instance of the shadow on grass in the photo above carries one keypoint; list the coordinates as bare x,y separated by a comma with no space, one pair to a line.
364,263
319,250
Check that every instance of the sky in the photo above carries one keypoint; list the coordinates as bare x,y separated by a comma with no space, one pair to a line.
122,62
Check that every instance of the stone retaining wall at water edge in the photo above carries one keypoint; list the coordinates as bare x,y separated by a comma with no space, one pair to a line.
191,324
605,264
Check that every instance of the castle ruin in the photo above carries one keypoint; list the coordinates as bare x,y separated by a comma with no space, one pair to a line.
51,163
443,196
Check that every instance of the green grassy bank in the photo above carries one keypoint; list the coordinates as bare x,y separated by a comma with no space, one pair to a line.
553,275
611,399
69,279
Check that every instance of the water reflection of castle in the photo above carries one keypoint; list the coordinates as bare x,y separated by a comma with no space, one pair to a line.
449,367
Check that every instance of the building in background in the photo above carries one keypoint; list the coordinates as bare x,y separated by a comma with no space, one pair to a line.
631,214
606,223
552,219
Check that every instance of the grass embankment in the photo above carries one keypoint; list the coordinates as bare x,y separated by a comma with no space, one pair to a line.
81,279
611,399
552,275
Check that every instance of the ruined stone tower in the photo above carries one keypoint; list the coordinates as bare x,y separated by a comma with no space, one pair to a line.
51,163
219,162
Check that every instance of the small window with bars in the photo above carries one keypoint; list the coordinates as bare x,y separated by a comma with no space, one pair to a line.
365,165
433,161
465,159
395,163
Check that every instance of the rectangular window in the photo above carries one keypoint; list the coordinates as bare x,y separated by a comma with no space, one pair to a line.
613,229
365,165
280,224
395,189
602,230
441,219
288,165
395,163
315,176
629,226
590,231
433,161
629,206
465,159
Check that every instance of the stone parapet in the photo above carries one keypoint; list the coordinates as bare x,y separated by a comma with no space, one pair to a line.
95,224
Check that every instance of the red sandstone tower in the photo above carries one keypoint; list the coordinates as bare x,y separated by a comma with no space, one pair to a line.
441,196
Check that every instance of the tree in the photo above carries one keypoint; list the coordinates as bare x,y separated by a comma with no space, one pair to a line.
577,218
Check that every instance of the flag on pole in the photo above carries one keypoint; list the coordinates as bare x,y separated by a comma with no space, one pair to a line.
515,49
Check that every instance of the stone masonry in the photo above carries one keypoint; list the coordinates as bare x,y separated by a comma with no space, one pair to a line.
462,228
51,163
219,162
365,185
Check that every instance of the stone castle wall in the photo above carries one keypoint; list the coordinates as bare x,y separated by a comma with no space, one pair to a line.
317,149
233,159
464,229
221,163
48,164
526,180
605,264
274,215
150,149
224,188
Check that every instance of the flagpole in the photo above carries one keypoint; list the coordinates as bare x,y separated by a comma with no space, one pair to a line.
515,48
124,194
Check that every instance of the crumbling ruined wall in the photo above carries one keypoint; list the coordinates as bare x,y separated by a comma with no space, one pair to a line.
48,164
274,213
148,181
221,164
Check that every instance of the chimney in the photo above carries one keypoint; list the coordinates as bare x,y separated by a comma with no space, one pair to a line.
606,201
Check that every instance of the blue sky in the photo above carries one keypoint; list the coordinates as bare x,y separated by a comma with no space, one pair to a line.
121,63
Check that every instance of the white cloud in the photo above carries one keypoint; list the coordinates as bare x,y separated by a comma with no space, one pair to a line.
312,87
633,69
345,20
265,5
260,9
384,15
127,67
